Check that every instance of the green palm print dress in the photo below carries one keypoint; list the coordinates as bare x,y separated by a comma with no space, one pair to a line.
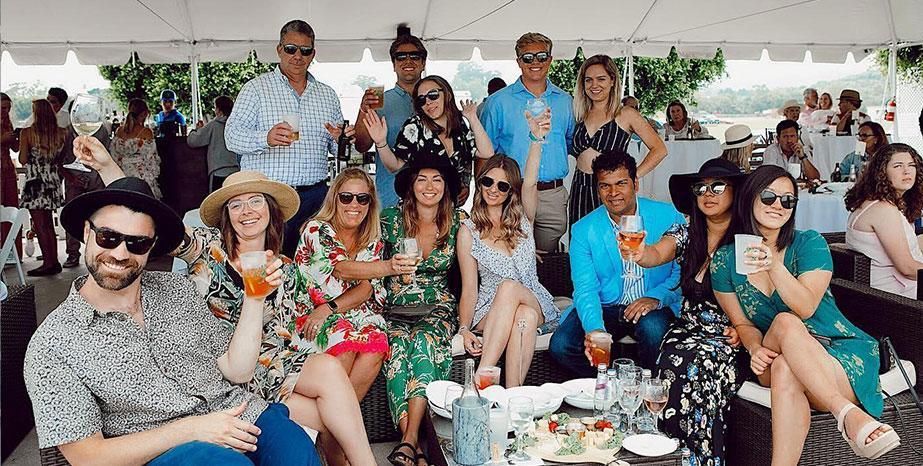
856,351
421,350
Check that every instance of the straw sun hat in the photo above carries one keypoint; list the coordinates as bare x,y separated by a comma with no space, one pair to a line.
247,181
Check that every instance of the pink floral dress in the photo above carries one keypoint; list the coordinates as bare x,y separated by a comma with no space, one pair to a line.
361,329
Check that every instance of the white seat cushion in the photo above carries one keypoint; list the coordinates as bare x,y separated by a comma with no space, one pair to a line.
892,383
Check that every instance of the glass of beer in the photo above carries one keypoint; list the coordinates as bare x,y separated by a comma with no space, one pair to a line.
601,352
487,376
253,270
379,92
294,121
631,234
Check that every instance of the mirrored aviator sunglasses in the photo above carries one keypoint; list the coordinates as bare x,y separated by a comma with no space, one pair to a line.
528,58
788,201
717,188
503,186
292,48
346,198
111,239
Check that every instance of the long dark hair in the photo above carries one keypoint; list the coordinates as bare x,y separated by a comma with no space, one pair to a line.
453,120
881,138
744,221
274,231
873,183
445,214
697,254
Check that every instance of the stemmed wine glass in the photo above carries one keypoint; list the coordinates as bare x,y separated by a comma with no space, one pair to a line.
522,411
536,108
411,248
631,233
87,118
631,400
655,398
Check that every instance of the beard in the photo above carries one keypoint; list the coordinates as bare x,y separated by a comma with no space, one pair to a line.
113,281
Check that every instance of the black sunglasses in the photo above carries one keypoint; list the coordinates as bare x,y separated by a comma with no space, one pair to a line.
503,186
347,198
433,94
716,187
401,56
528,58
305,50
788,201
111,239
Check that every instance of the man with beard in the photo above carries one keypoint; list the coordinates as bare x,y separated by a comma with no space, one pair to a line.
132,367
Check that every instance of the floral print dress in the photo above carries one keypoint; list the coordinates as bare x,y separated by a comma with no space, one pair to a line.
416,138
855,350
138,157
361,329
283,351
703,371
421,348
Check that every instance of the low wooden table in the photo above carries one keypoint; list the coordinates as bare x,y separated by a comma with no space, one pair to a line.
436,431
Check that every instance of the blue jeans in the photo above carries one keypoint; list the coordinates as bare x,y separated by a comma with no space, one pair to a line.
281,442
567,342
311,200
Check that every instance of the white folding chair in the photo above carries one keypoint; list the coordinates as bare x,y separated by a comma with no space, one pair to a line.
17,218
192,219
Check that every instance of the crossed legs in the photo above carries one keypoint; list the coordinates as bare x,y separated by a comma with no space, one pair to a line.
513,304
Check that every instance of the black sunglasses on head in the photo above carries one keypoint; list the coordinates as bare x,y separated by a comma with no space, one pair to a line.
304,49
503,186
716,187
401,56
111,239
433,94
788,201
528,58
347,198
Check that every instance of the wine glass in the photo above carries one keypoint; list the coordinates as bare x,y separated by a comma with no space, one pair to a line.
631,399
522,411
631,233
655,398
536,108
87,118
411,248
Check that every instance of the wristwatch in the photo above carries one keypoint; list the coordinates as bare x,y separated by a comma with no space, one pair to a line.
333,305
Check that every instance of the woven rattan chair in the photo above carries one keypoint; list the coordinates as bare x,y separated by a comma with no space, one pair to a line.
835,237
850,265
17,324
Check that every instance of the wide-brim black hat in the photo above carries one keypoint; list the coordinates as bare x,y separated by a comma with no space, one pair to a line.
135,194
404,178
681,185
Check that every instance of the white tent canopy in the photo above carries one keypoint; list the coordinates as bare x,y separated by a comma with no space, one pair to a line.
182,31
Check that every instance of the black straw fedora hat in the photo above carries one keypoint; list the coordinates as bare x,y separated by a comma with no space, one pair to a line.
135,194
681,185
404,178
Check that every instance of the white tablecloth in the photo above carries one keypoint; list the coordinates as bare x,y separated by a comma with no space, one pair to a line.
682,157
825,213
829,151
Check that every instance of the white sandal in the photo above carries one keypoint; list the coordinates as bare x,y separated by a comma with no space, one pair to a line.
885,442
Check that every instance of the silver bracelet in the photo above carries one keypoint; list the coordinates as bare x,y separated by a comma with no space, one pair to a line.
463,327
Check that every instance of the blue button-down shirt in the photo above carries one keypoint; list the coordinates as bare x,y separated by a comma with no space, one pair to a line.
397,109
505,122
260,105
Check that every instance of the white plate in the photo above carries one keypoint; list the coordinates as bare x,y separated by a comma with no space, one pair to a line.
649,445
580,392
838,187
546,402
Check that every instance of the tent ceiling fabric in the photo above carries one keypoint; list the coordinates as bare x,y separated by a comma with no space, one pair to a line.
172,31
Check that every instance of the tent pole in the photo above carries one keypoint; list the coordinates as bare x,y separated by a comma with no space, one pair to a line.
194,77
892,86
631,73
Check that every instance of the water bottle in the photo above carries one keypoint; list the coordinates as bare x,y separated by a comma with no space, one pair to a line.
852,173
612,406
471,423
687,457
601,394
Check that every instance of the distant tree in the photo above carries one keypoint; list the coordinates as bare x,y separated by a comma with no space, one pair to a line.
139,80
22,95
472,78
657,80
365,81
909,62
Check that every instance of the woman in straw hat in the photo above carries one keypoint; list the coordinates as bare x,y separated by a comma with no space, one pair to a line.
738,146
248,215
699,353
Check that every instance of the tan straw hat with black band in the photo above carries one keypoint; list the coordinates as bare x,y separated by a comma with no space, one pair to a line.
248,181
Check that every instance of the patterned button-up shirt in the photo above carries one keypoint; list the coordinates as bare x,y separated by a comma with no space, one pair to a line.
89,371
260,105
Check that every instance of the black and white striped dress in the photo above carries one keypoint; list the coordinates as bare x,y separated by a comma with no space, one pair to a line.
584,197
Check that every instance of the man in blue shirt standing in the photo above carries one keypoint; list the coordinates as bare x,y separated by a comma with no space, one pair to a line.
169,120
408,56
508,130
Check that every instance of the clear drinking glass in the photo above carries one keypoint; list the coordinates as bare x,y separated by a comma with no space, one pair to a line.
631,233
536,108
411,248
86,117
522,411
655,396
631,400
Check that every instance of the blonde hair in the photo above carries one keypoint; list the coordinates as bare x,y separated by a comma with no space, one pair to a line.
136,108
582,102
512,213
370,228
530,38
739,156
46,136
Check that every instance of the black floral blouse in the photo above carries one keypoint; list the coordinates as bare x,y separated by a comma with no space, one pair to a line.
415,138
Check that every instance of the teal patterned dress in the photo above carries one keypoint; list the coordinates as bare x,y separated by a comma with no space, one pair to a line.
856,351
421,350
